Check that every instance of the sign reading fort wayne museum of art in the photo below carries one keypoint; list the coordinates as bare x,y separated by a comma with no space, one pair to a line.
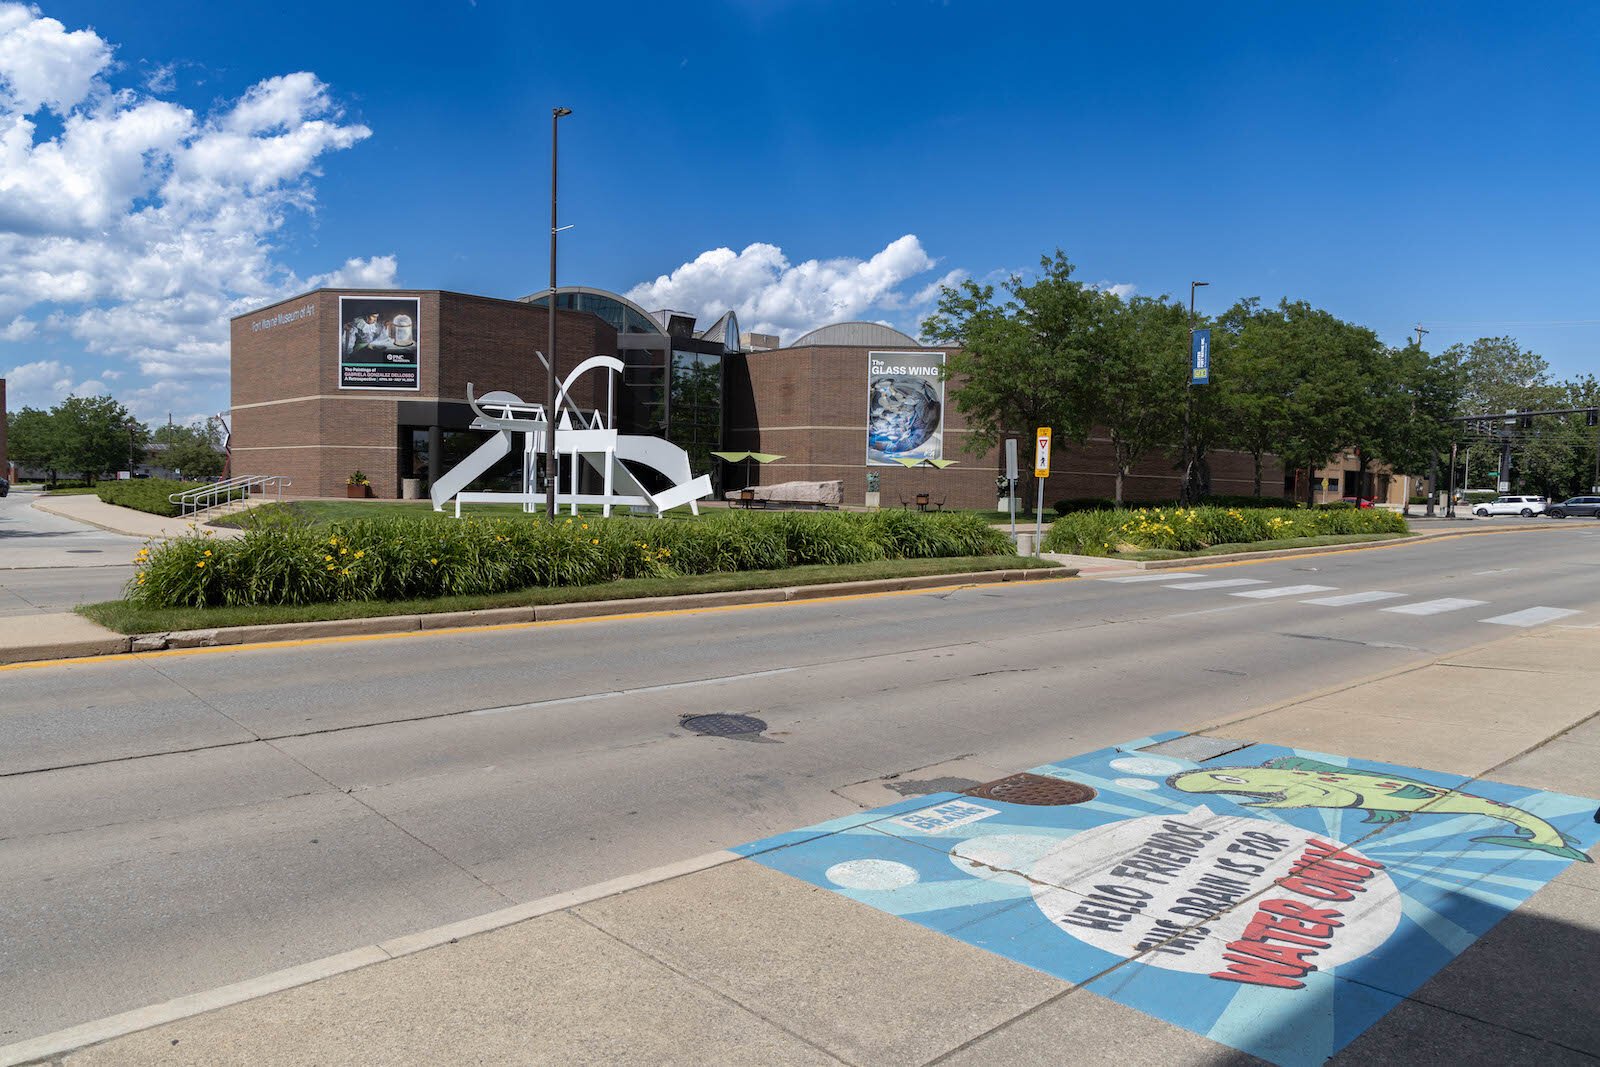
378,342
905,407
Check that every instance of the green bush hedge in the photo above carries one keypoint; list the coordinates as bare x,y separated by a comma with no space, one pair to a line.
1095,503
143,494
282,561
1100,533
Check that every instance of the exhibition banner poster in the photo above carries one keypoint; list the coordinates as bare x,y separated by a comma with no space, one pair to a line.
905,407
378,342
1275,900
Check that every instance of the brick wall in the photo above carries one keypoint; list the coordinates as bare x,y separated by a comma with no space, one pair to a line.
810,406
290,417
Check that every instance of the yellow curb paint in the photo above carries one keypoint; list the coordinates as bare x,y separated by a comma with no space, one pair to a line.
304,642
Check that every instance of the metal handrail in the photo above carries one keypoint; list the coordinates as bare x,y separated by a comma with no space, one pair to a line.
193,501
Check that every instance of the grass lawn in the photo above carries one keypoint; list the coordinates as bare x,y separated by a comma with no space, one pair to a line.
130,619
81,491
1259,546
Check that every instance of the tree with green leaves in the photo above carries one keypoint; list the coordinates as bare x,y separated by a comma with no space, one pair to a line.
87,435
1022,363
1251,344
1135,364
196,451
31,440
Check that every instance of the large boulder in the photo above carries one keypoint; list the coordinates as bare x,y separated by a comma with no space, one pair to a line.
816,494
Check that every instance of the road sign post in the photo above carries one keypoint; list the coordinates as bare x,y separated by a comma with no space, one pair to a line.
1041,471
1011,484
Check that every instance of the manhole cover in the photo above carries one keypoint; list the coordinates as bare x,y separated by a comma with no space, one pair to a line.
1028,788
722,725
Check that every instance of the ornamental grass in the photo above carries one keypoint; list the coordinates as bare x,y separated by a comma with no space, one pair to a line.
281,560
1178,529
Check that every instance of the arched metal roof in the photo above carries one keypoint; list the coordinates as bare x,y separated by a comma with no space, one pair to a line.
623,314
856,335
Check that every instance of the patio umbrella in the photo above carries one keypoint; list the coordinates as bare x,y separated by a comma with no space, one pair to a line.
759,457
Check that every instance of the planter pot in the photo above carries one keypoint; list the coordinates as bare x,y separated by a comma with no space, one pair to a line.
872,500
358,492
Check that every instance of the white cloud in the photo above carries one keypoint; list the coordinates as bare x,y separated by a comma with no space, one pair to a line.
43,65
1121,289
43,383
771,295
141,227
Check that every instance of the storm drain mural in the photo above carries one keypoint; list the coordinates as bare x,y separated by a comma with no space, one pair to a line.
1276,901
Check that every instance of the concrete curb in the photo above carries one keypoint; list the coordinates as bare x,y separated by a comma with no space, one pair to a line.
221,636
1310,550
75,1038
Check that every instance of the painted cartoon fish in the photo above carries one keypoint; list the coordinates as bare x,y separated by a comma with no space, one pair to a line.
1298,782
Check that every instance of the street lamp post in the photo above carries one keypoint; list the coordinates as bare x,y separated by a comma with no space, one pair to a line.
1186,491
552,467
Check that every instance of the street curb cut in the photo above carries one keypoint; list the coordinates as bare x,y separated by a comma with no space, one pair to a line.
76,1038
441,622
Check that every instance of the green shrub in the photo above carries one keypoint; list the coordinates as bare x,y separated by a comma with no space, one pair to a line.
1088,503
281,560
143,494
1100,533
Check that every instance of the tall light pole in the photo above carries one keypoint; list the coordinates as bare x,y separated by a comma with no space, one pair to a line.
552,465
1433,475
1186,492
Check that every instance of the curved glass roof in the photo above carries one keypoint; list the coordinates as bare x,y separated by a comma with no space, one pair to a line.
855,335
621,313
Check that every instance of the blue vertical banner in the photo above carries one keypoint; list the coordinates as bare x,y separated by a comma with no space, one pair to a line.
1200,358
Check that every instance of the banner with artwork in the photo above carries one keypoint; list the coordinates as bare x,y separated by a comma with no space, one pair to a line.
378,342
1275,900
905,407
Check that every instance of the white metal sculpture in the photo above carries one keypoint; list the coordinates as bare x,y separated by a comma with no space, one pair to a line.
591,441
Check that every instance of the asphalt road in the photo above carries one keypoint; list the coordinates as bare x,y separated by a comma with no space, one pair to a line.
50,564
190,819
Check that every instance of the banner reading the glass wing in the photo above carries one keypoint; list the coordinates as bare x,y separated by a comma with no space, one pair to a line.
378,341
905,407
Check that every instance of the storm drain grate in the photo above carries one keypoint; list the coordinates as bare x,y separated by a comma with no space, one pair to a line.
720,724
1036,789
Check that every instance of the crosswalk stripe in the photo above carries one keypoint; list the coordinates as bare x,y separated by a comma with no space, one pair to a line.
1435,607
1170,577
1530,616
1346,599
1283,590
1217,583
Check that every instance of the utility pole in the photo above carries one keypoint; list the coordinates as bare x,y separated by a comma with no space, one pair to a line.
1433,475
552,464
1186,491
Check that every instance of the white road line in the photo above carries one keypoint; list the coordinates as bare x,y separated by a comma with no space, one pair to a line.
1502,570
1154,577
1530,616
1346,599
1435,607
1283,590
585,698
1218,583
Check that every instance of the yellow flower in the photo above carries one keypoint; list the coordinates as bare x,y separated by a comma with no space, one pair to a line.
433,560
330,566
333,540
595,541
344,552
141,579
325,559
208,552
361,553
202,563
664,552
345,571
585,526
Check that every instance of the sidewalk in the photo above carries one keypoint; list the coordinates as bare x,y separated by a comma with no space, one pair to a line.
726,959
92,511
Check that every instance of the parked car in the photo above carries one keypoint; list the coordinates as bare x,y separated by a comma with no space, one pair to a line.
5,487
1360,502
1575,505
1526,506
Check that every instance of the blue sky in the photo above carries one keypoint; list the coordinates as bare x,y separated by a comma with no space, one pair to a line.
1392,163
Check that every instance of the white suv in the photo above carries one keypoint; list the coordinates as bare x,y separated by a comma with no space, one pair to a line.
1525,506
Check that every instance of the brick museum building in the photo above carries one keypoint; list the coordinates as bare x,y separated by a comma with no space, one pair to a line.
337,381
